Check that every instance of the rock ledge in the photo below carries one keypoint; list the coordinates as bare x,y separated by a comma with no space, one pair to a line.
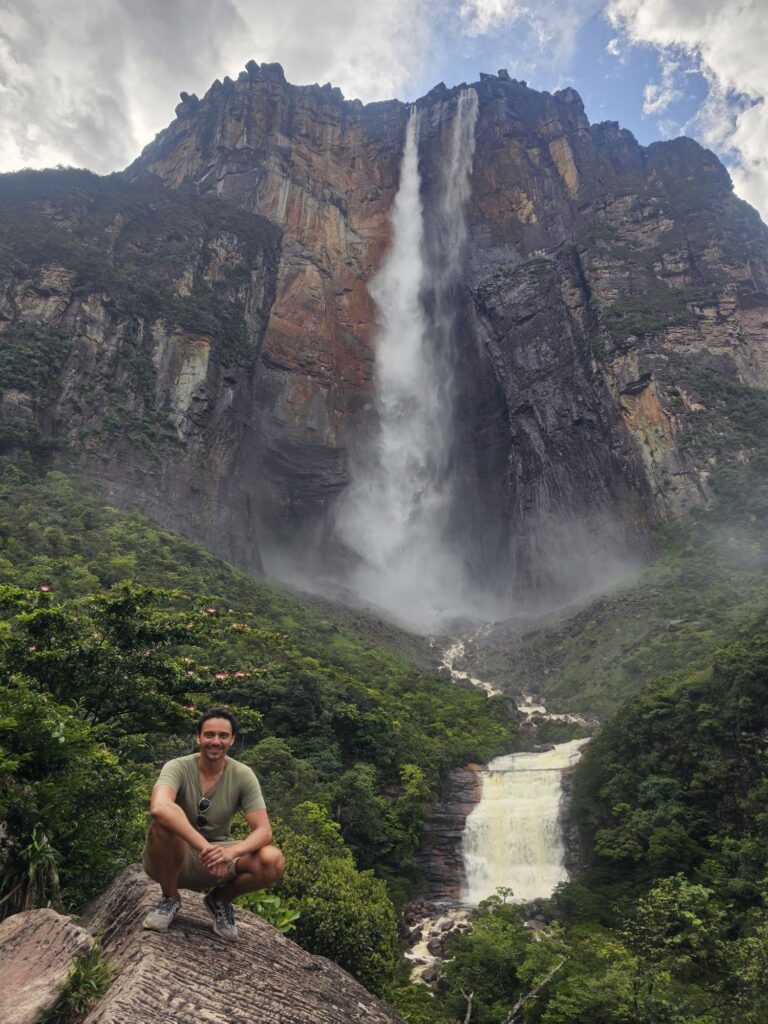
190,975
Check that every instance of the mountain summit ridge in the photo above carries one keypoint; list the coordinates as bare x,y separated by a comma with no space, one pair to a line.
602,281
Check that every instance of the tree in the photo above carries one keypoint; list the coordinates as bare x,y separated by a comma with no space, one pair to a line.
345,914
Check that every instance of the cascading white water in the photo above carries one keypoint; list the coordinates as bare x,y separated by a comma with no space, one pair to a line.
513,837
395,512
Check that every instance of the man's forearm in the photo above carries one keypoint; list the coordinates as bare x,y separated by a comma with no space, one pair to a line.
260,837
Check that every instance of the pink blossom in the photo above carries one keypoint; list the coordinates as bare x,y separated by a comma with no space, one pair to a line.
45,587
222,675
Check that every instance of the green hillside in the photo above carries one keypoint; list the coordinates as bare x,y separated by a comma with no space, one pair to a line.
115,633
667,922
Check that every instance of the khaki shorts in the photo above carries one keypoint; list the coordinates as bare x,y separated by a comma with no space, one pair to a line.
193,874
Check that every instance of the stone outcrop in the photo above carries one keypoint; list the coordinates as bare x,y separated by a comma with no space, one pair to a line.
38,949
189,974
603,281
440,859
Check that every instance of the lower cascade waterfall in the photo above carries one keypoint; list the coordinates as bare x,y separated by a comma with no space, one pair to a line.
513,837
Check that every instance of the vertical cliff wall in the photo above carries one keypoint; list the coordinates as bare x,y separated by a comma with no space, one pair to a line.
599,275
131,320
602,282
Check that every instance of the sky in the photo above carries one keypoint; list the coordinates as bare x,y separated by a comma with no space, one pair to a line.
89,83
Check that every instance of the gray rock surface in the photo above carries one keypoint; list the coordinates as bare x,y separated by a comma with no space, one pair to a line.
37,951
440,859
189,975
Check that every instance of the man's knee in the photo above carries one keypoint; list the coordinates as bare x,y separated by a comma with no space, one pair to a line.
268,862
274,862
160,837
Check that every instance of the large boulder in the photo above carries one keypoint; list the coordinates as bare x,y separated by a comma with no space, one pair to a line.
37,951
189,974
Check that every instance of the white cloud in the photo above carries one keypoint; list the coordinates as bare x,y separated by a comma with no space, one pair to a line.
613,47
657,96
554,24
729,40
484,16
89,82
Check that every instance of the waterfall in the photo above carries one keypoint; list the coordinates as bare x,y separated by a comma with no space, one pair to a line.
395,513
513,837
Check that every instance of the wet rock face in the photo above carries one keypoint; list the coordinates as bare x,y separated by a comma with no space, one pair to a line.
440,859
598,272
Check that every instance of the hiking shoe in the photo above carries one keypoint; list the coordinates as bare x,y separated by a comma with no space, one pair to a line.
223,916
159,920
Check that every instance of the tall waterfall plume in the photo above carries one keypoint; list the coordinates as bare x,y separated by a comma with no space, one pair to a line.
395,514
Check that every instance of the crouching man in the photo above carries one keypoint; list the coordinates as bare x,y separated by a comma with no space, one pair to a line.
188,844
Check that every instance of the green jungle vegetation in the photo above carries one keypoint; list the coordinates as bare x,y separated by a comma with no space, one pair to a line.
115,633
668,921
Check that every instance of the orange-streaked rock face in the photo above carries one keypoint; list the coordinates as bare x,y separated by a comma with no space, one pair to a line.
321,170
601,282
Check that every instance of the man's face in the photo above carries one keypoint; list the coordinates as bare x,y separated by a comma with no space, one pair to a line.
215,738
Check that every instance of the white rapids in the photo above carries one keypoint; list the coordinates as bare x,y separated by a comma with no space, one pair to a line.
513,838
455,652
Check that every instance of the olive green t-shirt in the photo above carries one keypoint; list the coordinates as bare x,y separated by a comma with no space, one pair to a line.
238,788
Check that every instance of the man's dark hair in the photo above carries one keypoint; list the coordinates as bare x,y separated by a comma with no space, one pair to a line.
218,713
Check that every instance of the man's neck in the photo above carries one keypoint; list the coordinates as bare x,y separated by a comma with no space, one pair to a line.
210,769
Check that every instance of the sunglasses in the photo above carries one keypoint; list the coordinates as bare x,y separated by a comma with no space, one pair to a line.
204,804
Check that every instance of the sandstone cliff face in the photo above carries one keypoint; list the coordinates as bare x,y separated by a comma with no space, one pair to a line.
603,282
601,279
326,172
130,323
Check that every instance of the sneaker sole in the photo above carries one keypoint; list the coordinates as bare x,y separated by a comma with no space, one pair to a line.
157,926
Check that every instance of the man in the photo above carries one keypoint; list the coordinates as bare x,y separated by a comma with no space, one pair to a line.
188,843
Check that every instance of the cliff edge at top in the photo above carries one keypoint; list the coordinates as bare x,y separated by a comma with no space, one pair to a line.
602,279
